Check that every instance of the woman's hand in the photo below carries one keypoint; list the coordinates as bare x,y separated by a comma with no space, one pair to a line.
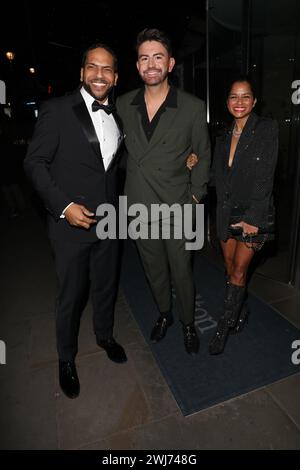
247,228
191,161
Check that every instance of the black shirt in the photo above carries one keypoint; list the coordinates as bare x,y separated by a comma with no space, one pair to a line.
150,126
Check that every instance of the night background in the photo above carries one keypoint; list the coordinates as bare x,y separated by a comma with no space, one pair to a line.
52,36
133,407
211,43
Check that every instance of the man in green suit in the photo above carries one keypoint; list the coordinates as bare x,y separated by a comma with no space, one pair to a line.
163,126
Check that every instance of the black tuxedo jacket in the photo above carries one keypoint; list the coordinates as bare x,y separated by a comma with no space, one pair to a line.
65,165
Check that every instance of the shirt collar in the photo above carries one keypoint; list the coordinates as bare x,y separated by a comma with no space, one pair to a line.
170,101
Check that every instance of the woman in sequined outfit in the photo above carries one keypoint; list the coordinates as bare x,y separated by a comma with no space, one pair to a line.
243,173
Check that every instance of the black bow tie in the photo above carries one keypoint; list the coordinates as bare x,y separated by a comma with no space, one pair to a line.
108,108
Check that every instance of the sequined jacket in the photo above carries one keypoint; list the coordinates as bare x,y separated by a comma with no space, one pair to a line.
246,187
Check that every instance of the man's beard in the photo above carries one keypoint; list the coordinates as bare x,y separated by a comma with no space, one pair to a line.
152,81
101,96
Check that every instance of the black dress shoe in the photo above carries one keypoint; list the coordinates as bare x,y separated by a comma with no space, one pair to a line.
191,340
68,379
114,351
160,328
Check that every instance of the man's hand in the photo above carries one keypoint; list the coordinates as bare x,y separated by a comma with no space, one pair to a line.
79,216
191,161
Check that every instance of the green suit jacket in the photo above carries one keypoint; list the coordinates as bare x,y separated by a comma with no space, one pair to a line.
156,169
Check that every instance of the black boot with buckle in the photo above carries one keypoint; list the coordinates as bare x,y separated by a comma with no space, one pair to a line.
244,313
242,320
234,298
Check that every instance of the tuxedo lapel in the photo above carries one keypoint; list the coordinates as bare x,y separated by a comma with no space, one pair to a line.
120,139
83,116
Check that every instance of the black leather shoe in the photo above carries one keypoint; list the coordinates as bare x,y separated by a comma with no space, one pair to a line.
68,379
160,328
114,351
191,340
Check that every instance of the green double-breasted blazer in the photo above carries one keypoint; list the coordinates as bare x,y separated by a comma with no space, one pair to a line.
156,169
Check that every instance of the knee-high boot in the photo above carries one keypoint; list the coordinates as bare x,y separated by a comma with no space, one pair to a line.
242,320
234,298
244,313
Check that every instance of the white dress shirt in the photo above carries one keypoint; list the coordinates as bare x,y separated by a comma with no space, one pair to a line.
106,129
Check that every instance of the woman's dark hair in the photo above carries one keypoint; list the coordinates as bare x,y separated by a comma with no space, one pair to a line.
152,34
238,79
100,45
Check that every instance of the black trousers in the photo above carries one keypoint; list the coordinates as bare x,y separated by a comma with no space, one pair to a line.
84,267
166,261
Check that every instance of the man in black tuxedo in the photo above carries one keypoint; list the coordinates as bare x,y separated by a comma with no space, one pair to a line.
72,163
